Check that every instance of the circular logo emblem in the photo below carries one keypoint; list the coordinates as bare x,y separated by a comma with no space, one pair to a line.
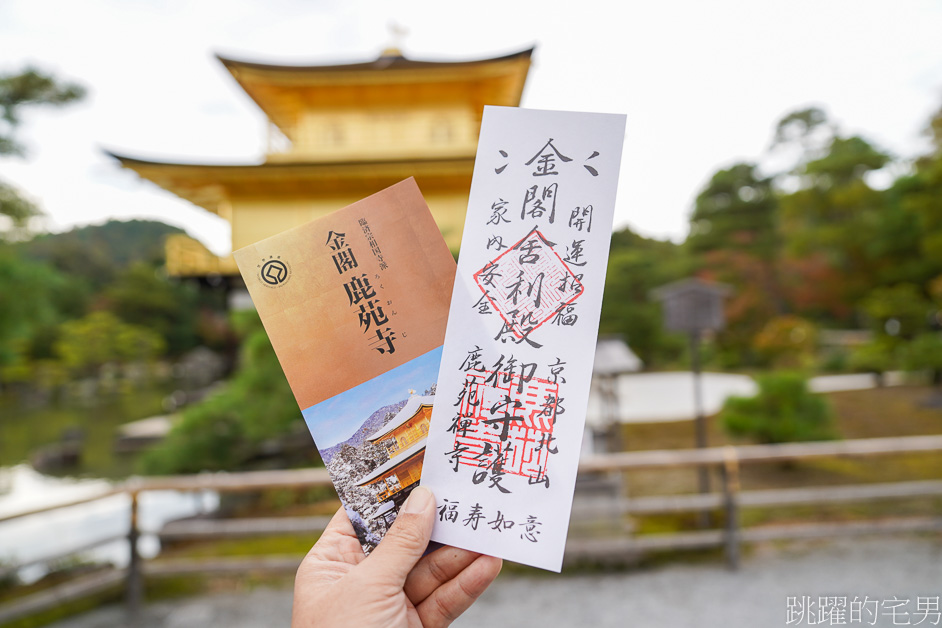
274,272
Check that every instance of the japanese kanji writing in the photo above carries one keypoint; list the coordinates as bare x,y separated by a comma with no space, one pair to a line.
526,285
527,527
373,245
361,293
504,420
843,610
521,330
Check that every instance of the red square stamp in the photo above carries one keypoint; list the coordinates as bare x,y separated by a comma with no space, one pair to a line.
528,284
506,422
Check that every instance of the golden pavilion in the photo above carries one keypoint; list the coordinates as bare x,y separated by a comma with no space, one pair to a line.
338,133
404,438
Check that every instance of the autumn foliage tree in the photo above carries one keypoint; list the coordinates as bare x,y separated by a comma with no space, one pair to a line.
733,231
819,239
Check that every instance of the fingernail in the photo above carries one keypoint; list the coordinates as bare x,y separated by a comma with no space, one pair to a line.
419,500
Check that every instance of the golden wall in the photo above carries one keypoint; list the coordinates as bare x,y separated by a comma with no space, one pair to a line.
257,219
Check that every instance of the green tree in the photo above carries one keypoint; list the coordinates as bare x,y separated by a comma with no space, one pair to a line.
737,210
734,232
145,296
805,131
87,344
636,266
27,88
876,356
835,218
17,209
788,341
846,162
28,295
95,256
924,352
919,197
841,237
901,311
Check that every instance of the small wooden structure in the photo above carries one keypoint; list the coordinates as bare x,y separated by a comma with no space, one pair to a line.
138,435
613,358
385,513
695,306
404,438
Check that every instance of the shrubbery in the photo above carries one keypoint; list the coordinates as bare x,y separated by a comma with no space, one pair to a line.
874,357
783,411
924,352
227,429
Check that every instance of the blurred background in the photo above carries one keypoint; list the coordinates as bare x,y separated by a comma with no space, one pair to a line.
774,294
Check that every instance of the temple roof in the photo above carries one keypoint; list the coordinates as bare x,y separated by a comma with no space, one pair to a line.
384,62
211,185
408,411
392,463
286,92
385,507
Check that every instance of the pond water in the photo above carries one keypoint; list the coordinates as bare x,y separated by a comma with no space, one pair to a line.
48,534
25,430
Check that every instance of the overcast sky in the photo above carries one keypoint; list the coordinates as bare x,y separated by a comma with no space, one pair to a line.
702,83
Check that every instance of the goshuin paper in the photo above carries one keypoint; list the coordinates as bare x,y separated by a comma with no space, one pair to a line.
355,305
514,382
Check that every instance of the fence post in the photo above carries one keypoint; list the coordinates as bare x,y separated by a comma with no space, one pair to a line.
703,471
730,472
135,581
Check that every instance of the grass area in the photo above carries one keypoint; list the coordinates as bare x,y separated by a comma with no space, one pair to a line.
286,502
841,512
64,610
155,589
881,412
897,411
287,545
59,575
175,587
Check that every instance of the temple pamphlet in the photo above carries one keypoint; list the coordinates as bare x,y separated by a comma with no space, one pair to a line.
506,431
355,304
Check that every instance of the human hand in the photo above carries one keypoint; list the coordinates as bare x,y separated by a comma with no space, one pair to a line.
395,585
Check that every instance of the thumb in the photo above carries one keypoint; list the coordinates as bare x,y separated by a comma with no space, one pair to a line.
405,543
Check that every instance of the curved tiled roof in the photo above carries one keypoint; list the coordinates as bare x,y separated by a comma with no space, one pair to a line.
384,62
392,463
408,411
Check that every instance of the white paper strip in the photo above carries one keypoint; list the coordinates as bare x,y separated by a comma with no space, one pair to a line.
507,426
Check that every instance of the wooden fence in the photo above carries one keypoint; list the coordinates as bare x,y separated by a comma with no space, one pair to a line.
730,501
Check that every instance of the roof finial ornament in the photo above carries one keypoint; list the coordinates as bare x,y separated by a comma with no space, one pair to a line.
397,35
411,392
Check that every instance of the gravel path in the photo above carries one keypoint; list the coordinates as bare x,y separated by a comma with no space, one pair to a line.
675,595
